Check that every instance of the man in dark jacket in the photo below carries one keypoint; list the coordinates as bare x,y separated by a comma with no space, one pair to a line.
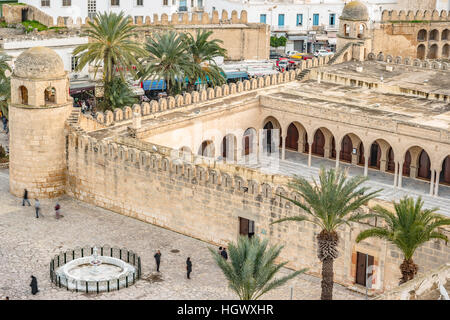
157,259
224,253
33,285
188,267
25,198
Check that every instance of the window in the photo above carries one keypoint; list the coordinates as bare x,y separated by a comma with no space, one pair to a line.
281,19
299,19
45,3
92,8
139,3
315,19
262,18
165,2
200,3
332,19
74,63
66,3
115,2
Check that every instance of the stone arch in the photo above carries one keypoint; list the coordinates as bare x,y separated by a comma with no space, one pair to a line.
434,35
137,109
296,137
371,56
417,163
421,49
145,108
270,124
444,35
23,95
362,30
407,61
127,113
349,143
380,155
422,35
266,190
433,51
50,95
249,143
207,149
229,151
389,58
445,51
109,117
398,60
444,177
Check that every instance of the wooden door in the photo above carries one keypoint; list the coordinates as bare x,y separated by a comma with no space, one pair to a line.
246,145
292,138
424,165
391,162
445,172
224,148
346,149
361,268
375,155
319,143
407,164
243,226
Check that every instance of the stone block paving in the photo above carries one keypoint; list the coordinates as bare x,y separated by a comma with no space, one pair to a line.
27,244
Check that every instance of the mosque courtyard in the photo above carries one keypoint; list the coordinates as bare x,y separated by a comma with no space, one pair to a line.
27,245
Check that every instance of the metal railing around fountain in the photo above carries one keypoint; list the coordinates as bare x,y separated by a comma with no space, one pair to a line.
94,286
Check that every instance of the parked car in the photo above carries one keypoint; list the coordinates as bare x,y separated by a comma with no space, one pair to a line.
322,52
291,52
301,56
286,64
275,55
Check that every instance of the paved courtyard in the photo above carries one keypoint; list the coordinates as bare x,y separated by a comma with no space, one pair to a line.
27,244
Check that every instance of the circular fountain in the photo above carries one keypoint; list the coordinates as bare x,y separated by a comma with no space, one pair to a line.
95,273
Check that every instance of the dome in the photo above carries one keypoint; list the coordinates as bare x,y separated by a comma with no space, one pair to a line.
355,11
39,63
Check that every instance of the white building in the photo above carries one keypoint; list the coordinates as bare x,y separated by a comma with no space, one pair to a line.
134,8
309,24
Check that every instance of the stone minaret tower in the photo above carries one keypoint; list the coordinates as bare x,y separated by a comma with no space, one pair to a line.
40,105
354,28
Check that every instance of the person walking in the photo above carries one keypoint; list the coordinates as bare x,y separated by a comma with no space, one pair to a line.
25,198
57,213
37,205
33,285
224,254
157,259
188,267
4,122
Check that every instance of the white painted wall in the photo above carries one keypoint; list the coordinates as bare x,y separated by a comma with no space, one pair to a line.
290,8
79,8
62,46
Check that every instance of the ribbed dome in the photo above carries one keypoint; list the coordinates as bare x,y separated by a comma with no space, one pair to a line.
355,11
39,63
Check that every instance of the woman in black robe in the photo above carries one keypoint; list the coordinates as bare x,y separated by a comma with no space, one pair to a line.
33,285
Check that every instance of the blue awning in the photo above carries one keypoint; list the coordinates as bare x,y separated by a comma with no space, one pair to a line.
154,85
236,75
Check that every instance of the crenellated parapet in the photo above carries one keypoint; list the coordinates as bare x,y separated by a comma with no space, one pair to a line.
415,16
165,105
165,20
408,61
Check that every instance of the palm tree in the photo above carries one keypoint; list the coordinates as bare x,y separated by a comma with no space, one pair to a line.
252,268
110,45
332,202
408,228
5,83
203,52
168,59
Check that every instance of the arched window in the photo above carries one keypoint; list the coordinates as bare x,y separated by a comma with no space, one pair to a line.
346,30
444,35
421,52
434,35
422,35
361,31
445,51
23,95
50,95
433,52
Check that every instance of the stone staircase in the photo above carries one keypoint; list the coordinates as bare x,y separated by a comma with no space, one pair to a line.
340,53
302,74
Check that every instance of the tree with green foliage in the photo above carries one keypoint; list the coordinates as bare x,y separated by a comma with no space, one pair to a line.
252,267
278,41
117,95
203,51
111,46
408,227
330,203
168,58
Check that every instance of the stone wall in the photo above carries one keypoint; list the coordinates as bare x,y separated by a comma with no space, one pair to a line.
204,199
13,14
